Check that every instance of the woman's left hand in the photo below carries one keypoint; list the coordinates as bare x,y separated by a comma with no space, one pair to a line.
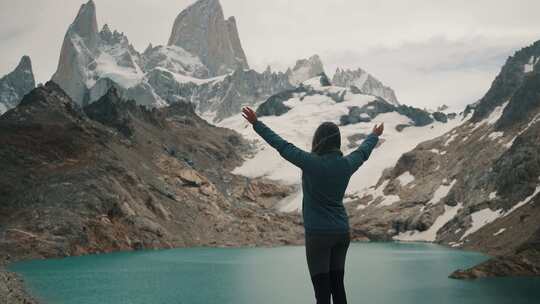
249,115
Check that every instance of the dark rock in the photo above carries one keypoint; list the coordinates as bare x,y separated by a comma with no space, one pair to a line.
400,127
274,104
325,82
507,82
440,116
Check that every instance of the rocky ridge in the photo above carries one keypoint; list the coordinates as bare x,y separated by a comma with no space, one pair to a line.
115,175
475,187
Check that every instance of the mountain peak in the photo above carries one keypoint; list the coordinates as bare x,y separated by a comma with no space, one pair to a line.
202,30
85,24
305,69
16,84
365,83
25,64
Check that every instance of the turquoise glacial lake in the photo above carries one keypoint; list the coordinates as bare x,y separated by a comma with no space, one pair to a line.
376,273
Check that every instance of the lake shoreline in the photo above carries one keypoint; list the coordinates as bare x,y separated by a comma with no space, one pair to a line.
13,287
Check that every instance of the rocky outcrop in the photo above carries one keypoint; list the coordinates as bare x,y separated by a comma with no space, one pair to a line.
369,111
243,87
12,289
202,30
305,69
364,83
118,176
16,84
476,187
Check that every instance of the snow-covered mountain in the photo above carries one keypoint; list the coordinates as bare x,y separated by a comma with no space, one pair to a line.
92,61
296,113
365,83
16,84
202,30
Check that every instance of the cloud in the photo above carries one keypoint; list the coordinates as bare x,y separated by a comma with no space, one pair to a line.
430,52
436,71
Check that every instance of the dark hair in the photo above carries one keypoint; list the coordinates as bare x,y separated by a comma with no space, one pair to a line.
326,139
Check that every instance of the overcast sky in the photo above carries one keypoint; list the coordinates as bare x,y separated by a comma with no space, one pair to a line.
430,52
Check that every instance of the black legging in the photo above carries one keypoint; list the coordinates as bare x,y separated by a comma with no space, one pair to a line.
326,255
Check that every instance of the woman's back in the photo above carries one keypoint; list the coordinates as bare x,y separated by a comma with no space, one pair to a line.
324,179
323,189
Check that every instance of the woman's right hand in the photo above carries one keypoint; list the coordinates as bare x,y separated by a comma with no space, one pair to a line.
249,115
378,130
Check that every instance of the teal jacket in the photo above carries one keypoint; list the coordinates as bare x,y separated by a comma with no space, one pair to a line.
324,179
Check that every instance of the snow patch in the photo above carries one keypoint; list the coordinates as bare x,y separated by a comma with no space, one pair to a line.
495,135
532,122
492,118
440,193
529,66
523,202
405,178
480,219
431,234
450,139
499,232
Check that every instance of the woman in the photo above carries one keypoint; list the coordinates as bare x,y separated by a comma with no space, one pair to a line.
325,176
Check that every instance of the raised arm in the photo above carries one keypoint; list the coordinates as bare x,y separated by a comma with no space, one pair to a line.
361,154
288,151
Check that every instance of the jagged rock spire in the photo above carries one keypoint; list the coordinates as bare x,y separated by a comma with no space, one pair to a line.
202,30
78,54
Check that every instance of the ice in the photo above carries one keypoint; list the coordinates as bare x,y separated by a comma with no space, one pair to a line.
430,235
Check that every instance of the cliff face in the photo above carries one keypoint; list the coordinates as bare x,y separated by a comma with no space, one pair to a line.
475,187
117,176
16,84
79,53
202,30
